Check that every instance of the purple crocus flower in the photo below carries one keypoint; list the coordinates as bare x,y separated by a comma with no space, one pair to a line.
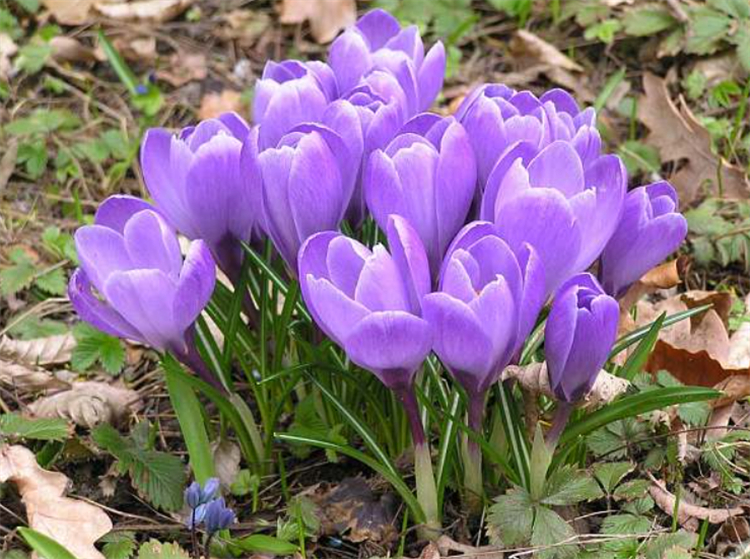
486,306
369,302
144,290
290,93
426,174
196,495
218,516
651,228
580,331
308,181
548,198
379,122
497,116
377,42
206,182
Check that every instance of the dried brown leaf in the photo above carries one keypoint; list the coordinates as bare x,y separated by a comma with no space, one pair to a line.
88,404
244,26
24,377
665,276
227,461
136,48
155,11
327,17
214,104
8,48
535,379
74,524
680,138
685,511
528,45
69,12
68,49
39,351
184,67
8,160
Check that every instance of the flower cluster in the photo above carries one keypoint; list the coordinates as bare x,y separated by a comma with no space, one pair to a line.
207,508
488,215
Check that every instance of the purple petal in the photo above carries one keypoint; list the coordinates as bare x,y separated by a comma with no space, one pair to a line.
100,315
378,26
276,165
235,124
380,286
382,188
507,179
152,244
388,342
410,258
562,100
247,207
345,260
195,284
557,166
335,313
430,76
116,210
101,252
350,59
534,292
559,333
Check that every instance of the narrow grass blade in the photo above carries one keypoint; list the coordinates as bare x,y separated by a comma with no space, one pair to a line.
637,360
393,478
448,441
608,89
123,71
190,417
44,546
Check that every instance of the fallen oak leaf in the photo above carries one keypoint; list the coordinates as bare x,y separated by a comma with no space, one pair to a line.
74,524
326,17
679,137
69,12
52,350
664,276
184,67
68,49
685,511
155,11
88,404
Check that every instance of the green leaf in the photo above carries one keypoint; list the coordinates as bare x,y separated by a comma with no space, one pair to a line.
42,429
9,24
20,275
610,474
640,506
246,483
541,458
260,543
648,20
567,486
656,548
639,157
639,357
626,524
738,9
550,529
34,156
31,6
190,418
741,39
34,327
54,282
632,489
118,545
604,31
512,515
156,550
93,345
96,151
159,477
45,547
707,29
43,121
33,56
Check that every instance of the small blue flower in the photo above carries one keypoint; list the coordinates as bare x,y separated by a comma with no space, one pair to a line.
196,516
218,516
196,495
141,89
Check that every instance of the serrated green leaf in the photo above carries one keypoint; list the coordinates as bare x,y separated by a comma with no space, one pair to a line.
43,121
708,28
159,477
657,547
32,56
246,483
34,156
610,474
93,345
639,506
648,20
34,327
632,489
19,276
156,550
604,31
42,429
96,151
738,9
118,545
567,486
626,524
512,515
550,529
54,282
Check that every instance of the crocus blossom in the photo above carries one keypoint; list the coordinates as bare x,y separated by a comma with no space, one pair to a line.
426,174
369,302
377,42
580,331
290,93
133,282
651,228
308,181
486,305
548,198
206,182
496,117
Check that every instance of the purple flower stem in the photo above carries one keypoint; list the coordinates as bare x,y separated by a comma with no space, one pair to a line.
559,421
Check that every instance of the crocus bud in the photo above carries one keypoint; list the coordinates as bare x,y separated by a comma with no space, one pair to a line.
206,182
497,116
487,305
218,516
580,331
377,42
290,93
549,199
144,289
650,229
369,302
308,181
426,174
